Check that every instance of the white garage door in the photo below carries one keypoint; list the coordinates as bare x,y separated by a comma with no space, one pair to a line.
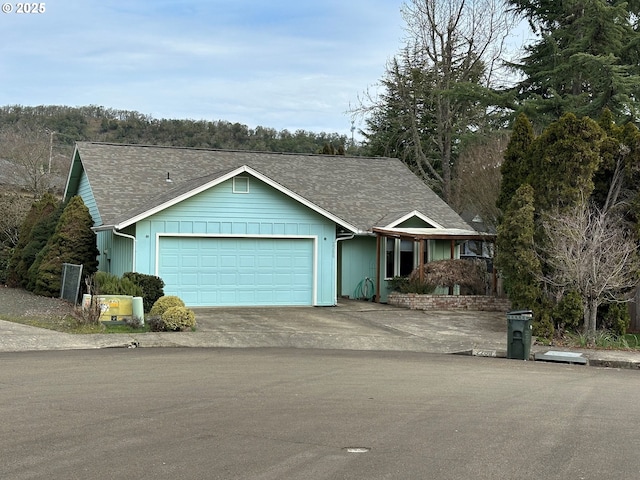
206,271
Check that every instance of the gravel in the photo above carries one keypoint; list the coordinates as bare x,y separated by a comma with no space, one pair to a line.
15,302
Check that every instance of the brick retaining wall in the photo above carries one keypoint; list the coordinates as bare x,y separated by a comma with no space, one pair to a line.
416,301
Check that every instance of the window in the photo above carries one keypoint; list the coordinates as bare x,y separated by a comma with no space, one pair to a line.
406,257
391,258
400,257
240,184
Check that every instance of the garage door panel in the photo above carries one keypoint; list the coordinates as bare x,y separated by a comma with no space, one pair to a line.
237,271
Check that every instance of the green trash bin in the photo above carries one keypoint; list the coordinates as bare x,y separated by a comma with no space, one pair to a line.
519,334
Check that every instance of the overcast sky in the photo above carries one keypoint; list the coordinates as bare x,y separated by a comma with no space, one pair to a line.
284,64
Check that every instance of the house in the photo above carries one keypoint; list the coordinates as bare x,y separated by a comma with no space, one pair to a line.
225,228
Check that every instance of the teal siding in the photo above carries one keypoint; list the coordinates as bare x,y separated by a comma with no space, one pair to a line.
85,192
358,262
263,211
116,252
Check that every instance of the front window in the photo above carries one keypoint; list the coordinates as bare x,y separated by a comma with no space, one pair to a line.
406,257
400,259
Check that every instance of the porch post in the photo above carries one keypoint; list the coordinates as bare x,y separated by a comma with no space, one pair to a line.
378,260
453,254
421,260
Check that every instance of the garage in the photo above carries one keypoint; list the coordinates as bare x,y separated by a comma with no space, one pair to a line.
237,271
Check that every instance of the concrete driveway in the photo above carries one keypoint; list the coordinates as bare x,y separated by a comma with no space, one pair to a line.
355,325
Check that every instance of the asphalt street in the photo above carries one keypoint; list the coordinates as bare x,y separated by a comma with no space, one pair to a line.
216,413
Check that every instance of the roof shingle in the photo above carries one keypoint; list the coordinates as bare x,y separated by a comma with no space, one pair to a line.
128,180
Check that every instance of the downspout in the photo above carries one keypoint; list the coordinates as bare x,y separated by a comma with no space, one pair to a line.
131,237
339,239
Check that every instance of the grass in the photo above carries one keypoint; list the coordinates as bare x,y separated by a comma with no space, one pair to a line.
606,340
71,324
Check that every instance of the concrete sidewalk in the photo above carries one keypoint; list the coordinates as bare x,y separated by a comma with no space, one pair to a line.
352,325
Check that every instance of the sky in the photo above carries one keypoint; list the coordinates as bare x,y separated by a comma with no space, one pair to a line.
283,64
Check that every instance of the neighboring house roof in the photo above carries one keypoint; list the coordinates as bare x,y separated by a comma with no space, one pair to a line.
129,182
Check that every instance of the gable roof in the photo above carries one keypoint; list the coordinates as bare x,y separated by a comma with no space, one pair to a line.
129,182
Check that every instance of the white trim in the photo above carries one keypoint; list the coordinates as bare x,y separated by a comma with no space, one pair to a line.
224,178
409,215
314,273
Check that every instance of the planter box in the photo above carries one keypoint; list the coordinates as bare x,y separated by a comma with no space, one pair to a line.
416,301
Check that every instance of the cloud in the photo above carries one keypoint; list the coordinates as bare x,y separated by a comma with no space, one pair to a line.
279,64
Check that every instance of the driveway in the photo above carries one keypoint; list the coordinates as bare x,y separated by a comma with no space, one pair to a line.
355,325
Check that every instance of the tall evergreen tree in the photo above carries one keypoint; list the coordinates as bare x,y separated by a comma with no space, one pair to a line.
35,230
561,162
585,59
73,242
515,252
513,167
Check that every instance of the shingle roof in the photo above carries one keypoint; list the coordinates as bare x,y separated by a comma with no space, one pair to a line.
128,180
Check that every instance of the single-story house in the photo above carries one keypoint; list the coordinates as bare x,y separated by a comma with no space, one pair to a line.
225,228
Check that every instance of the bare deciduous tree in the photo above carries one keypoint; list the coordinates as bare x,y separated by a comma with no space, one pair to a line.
590,251
28,152
441,86
476,185
13,209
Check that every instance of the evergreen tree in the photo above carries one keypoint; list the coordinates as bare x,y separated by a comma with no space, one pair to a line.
515,253
513,168
518,262
73,242
35,230
561,162
585,59
617,181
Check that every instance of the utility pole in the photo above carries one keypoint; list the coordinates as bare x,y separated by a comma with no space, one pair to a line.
50,149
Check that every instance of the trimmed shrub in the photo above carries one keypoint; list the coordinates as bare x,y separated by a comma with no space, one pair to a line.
109,284
178,318
164,303
152,287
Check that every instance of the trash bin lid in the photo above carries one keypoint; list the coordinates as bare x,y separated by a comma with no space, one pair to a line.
520,312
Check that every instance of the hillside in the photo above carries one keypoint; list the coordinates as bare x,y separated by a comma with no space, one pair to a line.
39,141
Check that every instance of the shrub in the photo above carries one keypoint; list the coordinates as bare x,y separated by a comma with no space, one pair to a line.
164,303
152,287
616,318
109,284
410,285
568,313
178,318
155,324
543,324
468,274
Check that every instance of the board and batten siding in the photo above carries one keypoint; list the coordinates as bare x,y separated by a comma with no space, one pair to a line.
263,211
